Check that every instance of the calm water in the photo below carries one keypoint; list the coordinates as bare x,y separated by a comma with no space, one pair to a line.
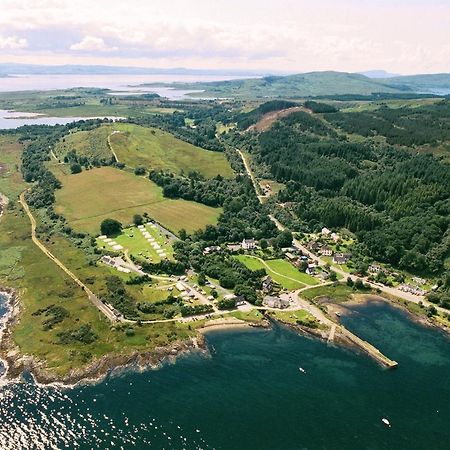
115,82
10,120
251,395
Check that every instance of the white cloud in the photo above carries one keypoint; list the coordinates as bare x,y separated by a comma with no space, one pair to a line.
12,43
92,43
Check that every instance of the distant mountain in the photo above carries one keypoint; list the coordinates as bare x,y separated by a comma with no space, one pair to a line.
378,74
36,69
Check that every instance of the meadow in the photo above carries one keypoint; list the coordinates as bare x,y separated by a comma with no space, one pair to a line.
281,271
11,182
159,150
91,196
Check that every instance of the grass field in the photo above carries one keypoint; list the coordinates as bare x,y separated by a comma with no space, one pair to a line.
133,240
91,196
281,271
338,293
156,149
11,182
86,143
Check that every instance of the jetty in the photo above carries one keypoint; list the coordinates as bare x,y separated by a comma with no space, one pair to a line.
368,348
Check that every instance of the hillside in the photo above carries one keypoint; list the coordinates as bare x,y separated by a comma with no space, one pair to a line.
317,84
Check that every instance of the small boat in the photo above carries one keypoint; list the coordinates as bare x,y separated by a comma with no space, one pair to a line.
386,422
302,370
338,314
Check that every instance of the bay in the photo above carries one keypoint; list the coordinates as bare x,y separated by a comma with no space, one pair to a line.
250,394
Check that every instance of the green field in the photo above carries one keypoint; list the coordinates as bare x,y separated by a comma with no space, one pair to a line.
91,196
86,143
11,182
281,271
156,149
132,239
337,293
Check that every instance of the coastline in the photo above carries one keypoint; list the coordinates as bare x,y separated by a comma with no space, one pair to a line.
364,299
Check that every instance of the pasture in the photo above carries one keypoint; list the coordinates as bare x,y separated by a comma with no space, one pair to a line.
281,271
159,150
91,196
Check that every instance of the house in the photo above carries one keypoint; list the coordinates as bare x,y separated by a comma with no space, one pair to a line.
313,246
240,301
248,244
180,287
212,249
341,258
325,232
275,302
418,280
326,251
267,284
374,268
335,237
233,248
311,269
291,257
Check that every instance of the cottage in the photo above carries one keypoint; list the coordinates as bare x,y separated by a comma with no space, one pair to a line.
240,301
233,248
211,249
248,244
313,246
326,251
267,284
275,302
311,269
291,257
341,258
419,280
325,232
335,237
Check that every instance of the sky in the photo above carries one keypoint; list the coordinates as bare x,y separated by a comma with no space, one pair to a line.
400,36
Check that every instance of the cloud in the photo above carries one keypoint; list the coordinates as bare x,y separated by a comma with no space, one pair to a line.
92,44
12,43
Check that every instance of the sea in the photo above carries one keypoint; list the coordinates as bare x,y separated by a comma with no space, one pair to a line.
248,393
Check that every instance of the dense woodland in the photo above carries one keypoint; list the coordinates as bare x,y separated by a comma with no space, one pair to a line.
395,200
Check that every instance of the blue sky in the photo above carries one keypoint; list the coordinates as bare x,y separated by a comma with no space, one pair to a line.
402,36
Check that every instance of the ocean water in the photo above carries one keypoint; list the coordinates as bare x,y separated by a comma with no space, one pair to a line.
250,394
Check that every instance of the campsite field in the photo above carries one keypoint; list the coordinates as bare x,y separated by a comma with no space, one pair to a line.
91,196
280,270
155,149
133,240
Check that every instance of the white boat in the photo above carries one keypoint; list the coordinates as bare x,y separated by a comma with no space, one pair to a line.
386,422
302,370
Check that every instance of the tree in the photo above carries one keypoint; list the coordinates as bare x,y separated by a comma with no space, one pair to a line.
263,244
214,293
350,282
139,170
333,275
110,227
75,168
138,219
201,279
182,234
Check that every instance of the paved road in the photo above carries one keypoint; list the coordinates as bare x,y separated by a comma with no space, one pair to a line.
92,297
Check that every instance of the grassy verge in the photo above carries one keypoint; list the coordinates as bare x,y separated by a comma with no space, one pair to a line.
336,293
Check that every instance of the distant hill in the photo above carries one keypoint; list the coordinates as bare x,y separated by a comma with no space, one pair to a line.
295,86
438,83
319,84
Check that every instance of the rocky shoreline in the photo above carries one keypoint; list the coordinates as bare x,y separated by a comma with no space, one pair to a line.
16,363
